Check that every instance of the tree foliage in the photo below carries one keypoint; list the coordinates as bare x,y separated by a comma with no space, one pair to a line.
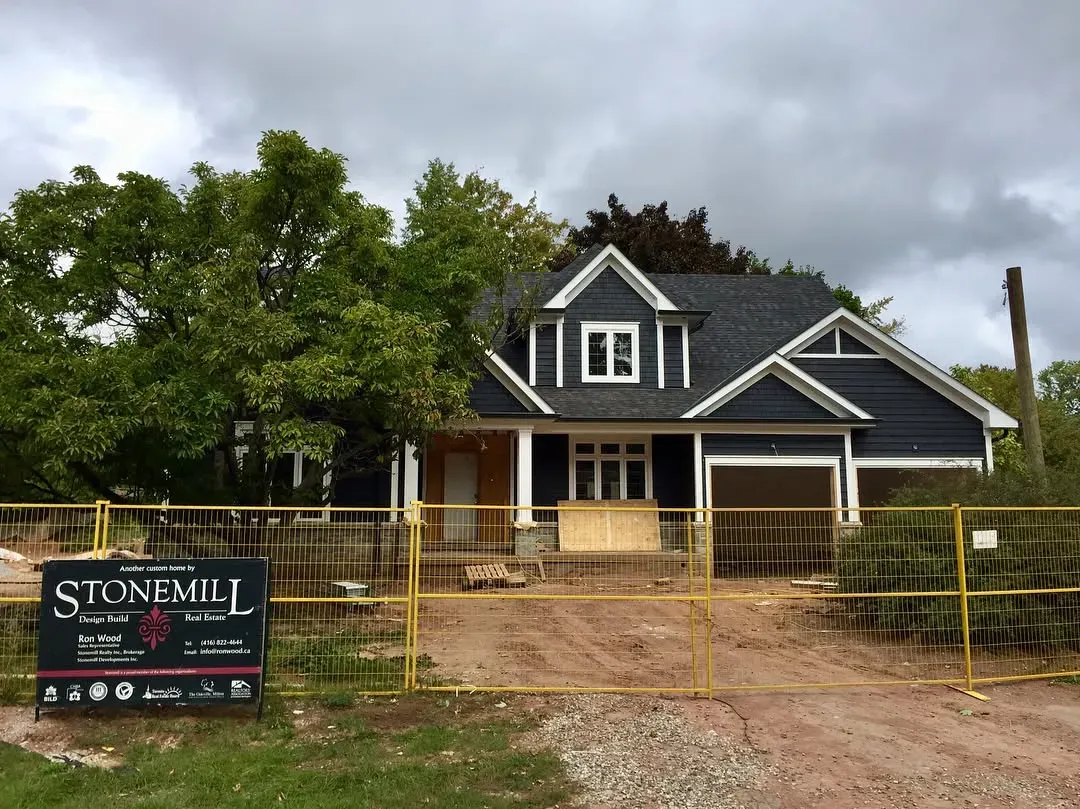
140,324
658,243
1059,419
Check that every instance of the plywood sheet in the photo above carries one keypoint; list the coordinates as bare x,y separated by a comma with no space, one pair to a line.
615,527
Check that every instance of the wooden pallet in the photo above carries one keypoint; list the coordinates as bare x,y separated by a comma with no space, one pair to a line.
484,575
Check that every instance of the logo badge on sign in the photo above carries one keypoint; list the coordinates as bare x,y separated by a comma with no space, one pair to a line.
74,693
154,627
124,690
98,692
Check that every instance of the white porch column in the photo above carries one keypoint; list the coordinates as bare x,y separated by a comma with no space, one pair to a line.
524,474
411,471
699,473
852,482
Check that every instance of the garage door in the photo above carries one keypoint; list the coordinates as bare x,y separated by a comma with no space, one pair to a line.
878,486
773,543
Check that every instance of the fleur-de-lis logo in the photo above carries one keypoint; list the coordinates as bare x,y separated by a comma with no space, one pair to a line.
154,627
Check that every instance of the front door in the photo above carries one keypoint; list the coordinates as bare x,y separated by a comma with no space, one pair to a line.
461,480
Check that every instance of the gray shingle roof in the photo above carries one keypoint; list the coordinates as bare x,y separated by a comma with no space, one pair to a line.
751,316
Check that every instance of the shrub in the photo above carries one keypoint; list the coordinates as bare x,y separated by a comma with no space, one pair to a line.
1036,550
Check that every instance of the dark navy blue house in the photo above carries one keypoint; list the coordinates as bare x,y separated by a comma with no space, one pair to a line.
693,391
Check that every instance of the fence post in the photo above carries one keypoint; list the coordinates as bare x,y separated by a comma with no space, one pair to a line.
101,529
961,574
708,603
693,607
414,600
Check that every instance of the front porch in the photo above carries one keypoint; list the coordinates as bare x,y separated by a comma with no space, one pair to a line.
524,492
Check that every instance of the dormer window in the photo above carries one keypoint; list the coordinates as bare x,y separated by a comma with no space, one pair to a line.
610,352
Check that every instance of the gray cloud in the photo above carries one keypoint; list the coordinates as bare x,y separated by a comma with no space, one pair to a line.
895,145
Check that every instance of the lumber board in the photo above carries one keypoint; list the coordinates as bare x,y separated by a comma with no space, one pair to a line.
614,527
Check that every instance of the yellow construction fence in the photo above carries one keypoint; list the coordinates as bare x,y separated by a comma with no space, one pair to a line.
604,596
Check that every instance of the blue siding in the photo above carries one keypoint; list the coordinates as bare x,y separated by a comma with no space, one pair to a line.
673,470
826,344
551,469
489,397
910,413
852,345
516,354
673,357
831,446
545,355
609,299
771,398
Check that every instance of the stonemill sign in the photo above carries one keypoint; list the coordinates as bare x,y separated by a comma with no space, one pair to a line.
139,632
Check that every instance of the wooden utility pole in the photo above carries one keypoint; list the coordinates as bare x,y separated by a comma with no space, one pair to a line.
1029,405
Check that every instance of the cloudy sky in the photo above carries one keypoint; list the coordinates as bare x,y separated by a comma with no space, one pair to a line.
911,148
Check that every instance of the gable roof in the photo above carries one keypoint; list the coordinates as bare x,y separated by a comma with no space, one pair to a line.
919,367
608,257
775,365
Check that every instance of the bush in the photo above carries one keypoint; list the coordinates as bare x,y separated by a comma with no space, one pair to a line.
1036,550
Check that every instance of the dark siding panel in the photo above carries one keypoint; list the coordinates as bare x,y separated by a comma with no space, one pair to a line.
367,490
516,354
673,353
771,398
488,396
545,355
831,446
673,470
910,413
851,345
609,299
551,469
823,345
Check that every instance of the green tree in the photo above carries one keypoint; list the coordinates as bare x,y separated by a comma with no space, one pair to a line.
658,243
1058,418
1060,381
142,327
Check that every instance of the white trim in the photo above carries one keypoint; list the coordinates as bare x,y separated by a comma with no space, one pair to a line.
612,328
918,463
839,357
412,475
515,384
777,460
393,482
786,372
551,427
852,475
836,334
524,474
559,351
685,355
659,354
988,435
532,354
611,257
622,457
699,474
919,367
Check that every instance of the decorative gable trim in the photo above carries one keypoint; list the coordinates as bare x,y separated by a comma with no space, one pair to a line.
837,344
992,416
611,257
783,370
515,384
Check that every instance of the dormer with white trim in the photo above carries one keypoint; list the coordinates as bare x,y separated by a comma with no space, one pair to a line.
610,324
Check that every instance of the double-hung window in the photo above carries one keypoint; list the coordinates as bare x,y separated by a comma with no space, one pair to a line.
610,470
610,352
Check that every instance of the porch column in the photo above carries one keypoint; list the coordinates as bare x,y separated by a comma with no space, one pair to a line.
411,471
524,474
699,483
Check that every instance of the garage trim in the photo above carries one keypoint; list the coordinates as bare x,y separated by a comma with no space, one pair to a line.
775,460
918,463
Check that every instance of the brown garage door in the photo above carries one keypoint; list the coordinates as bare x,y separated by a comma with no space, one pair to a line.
777,542
878,487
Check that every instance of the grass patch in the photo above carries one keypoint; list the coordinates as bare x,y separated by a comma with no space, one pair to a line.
411,752
1073,680
348,659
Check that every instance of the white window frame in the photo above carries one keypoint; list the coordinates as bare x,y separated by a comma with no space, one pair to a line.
622,457
611,329
244,428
